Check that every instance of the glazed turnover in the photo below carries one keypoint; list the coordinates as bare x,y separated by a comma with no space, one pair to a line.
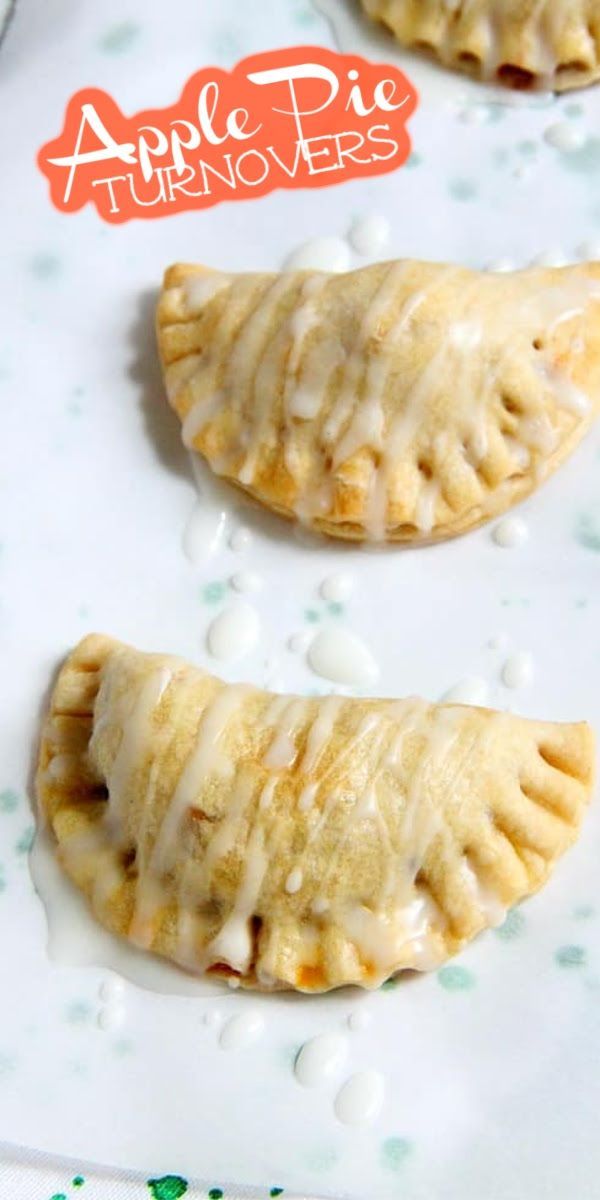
406,401
525,43
297,842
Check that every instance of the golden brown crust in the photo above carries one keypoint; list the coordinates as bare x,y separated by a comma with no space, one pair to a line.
552,44
297,842
404,401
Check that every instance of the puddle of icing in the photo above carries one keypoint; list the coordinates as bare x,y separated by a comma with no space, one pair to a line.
76,939
320,1058
360,1099
319,254
233,632
342,657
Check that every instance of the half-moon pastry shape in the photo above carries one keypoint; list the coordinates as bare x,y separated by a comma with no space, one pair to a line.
552,44
297,842
406,401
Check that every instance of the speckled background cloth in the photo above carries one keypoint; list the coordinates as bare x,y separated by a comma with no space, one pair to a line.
28,1175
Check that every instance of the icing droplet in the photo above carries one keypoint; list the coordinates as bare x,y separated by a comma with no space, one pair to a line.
241,1030
341,656
471,690
203,531
299,642
369,234
319,906
233,633
246,582
319,254
502,266
360,1099
211,1017
589,251
550,258
566,137
359,1019
293,882
510,532
110,1017
518,670
500,641
111,990
336,588
320,1059
240,539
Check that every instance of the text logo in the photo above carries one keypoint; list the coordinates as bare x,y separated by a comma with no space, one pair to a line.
296,118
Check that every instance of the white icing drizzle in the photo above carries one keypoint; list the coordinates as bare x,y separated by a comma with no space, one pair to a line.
320,732
307,796
137,712
489,904
198,289
233,943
